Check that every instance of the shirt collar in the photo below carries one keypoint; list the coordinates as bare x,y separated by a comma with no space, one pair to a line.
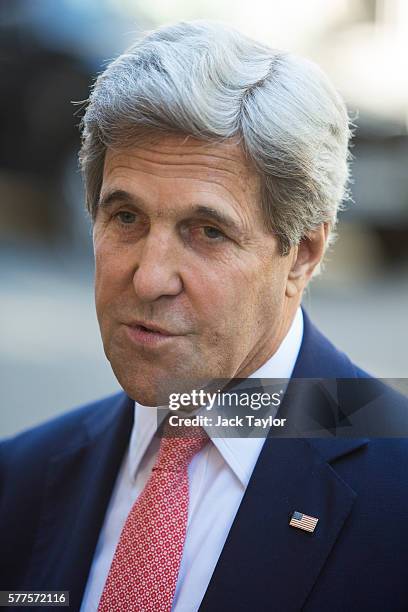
144,427
241,454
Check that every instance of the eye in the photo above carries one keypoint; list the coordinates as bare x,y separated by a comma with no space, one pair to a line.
213,233
126,217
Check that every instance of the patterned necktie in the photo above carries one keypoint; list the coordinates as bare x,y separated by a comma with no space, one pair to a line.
145,566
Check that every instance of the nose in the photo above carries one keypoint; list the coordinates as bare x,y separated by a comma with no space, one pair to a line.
157,273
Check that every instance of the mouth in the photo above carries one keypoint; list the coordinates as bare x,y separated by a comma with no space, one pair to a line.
148,334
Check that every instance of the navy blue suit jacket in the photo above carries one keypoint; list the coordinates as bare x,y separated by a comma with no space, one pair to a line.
57,479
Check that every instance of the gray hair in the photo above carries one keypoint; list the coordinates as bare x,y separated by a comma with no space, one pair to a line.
211,82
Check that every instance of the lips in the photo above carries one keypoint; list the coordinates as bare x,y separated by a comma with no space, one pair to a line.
148,334
144,328
150,327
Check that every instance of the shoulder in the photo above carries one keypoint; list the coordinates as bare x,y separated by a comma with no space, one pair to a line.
319,359
65,451
375,408
34,447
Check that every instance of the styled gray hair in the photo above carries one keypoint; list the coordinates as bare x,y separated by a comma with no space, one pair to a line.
207,80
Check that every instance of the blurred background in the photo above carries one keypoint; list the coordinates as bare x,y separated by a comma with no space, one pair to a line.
51,357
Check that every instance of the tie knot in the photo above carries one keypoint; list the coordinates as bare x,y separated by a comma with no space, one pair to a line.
178,446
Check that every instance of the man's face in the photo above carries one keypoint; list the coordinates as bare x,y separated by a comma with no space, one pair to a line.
181,249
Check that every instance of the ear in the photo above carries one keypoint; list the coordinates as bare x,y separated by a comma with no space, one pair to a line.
305,257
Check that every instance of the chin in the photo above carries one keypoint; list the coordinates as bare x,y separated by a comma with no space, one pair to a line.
143,391
154,388
150,390
146,398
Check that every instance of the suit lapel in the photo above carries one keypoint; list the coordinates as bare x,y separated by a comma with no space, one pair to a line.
265,563
78,487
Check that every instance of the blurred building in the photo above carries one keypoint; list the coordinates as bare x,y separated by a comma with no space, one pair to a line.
51,51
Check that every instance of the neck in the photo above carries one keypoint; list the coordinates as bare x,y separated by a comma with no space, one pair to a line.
269,345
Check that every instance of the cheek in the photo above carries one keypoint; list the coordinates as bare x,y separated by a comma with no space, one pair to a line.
221,297
270,298
262,295
113,272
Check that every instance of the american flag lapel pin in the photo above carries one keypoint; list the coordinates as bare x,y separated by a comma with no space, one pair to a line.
303,521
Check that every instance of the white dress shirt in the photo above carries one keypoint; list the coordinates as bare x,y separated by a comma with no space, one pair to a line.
218,477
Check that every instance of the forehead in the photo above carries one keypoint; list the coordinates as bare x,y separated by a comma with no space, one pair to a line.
226,156
186,163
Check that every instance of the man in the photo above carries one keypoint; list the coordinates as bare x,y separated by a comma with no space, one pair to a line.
214,169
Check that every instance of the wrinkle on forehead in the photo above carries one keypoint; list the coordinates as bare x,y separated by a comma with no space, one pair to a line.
191,156
210,167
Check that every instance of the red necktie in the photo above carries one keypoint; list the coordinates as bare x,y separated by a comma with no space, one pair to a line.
145,566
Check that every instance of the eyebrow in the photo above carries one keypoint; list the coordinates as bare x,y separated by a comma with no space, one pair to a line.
199,210
219,217
117,195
